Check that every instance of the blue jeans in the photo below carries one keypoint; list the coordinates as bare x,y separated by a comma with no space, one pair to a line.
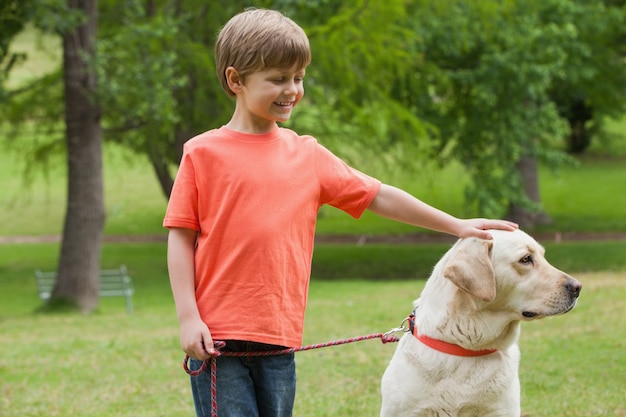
249,386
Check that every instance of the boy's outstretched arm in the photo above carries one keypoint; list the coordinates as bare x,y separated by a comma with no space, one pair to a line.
396,204
195,337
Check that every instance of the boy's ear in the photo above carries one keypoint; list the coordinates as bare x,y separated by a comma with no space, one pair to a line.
233,79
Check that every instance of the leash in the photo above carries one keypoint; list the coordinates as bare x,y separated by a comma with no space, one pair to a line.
387,337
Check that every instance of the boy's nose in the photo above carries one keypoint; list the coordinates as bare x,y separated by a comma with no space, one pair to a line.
291,88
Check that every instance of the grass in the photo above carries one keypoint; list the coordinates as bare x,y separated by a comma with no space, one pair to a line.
112,364
134,202
589,198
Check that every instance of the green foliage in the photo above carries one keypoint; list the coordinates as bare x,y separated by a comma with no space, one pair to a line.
491,67
54,16
157,75
483,83
594,76
392,84
14,15
31,118
138,75
358,54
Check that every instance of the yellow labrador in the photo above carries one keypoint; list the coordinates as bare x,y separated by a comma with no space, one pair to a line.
461,357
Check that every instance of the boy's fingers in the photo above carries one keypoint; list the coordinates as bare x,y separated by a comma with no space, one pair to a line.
501,224
481,234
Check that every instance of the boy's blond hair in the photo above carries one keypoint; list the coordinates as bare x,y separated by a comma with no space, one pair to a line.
257,39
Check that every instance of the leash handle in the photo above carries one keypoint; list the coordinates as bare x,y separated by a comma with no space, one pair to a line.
189,371
218,344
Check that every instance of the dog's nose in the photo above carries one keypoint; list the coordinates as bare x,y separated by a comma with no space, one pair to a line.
573,286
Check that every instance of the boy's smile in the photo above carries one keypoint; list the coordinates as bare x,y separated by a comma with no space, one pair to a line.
265,97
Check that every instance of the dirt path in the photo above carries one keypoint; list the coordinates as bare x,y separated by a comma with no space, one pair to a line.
364,239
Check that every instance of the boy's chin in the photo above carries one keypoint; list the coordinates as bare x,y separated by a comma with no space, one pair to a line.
282,119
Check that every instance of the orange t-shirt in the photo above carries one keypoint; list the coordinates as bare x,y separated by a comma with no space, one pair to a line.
254,201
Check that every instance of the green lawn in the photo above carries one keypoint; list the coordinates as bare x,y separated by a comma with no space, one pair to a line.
111,364
134,202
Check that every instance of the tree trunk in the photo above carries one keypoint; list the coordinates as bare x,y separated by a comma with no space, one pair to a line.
79,263
579,138
525,217
161,169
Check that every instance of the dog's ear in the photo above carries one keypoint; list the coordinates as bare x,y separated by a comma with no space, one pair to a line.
470,268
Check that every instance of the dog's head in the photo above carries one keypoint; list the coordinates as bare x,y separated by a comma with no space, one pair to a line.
511,273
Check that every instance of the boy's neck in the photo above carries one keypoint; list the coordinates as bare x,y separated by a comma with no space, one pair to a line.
251,128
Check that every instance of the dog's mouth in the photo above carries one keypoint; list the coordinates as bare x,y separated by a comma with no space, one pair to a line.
535,315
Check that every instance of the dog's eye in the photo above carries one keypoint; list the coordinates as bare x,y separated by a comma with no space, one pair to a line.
527,260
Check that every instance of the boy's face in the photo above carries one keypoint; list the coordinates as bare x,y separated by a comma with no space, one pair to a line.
269,96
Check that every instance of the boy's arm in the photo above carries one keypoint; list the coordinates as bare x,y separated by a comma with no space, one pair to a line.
195,338
396,204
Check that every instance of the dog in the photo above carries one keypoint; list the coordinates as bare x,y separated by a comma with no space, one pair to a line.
461,357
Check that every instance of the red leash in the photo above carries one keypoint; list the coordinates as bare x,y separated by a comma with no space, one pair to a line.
388,337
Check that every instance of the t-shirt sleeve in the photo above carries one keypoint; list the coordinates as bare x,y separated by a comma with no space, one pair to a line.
182,208
342,186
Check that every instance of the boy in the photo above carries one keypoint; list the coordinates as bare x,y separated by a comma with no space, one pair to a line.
242,218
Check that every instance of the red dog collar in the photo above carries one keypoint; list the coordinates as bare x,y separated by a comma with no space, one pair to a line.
445,347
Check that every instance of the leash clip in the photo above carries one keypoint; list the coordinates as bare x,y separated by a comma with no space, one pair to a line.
402,328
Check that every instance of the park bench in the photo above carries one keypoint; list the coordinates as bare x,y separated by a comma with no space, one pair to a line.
112,283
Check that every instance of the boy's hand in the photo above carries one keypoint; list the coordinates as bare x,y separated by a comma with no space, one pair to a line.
479,227
196,341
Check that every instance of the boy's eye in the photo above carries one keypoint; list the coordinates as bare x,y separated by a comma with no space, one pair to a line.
283,78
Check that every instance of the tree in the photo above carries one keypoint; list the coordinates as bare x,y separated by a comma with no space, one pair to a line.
157,76
158,93
43,102
79,262
484,83
492,68
359,85
592,86
467,80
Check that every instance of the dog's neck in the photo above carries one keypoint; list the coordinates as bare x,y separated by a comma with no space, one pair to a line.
470,325
445,347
